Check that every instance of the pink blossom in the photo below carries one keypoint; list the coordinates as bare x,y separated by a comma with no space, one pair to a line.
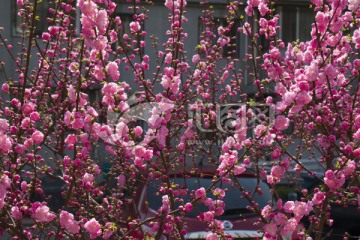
220,193
166,82
121,179
5,143
168,57
37,137
280,218
275,53
165,208
239,169
74,67
28,108
270,230
77,123
349,168
356,38
148,154
353,5
174,4
260,130
113,71
311,71
161,136
277,172
334,180
357,135
249,11
155,121
290,226
88,8
87,179
135,27
289,206
93,228
25,123
263,9
4,125
67,221
19,148
301,209
207,216
266,211
200,193
323,141
139,162
170,4
253,3
99,43
188,207
195,59
110,89
288,98
71,139
28,143
318,198
189,133
108,232
138,131
276,153
42,214
16,213
102,21
4,184
122,130
139,151
228,144
322,21
5,88
35,116
281,122
212,236
98,74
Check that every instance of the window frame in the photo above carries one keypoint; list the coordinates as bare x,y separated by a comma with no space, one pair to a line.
302,36
41,24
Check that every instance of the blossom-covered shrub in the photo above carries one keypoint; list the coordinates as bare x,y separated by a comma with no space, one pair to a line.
198,111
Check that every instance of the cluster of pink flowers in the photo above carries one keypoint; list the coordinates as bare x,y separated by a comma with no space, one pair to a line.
93,228
67,221
41,213
286,219
334,179
4,184
5,141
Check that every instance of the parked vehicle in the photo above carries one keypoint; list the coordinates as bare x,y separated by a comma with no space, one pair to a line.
237,220
345,215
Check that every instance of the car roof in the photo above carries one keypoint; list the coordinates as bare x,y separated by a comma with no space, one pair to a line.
206,171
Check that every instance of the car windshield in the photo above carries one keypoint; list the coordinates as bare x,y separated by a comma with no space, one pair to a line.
235,203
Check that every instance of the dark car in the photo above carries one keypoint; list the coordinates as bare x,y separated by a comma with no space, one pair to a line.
238,221
345,216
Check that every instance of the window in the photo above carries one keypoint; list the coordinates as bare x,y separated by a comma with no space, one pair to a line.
43,18
231,49
41,22
295,22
